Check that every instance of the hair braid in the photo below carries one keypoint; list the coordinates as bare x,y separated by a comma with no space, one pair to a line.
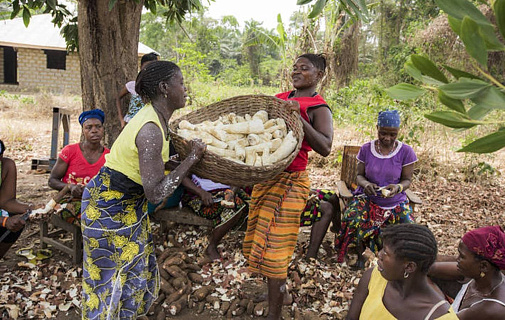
318,60
412,242
150,77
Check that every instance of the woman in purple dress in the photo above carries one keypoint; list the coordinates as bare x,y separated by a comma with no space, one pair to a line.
385,170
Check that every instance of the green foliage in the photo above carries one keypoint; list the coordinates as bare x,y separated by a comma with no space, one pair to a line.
480,171
191,63
470,97
357,9
359,104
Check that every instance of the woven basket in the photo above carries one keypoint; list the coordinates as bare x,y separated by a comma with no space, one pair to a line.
219,169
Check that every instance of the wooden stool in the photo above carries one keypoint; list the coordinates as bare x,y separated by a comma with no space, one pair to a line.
75,251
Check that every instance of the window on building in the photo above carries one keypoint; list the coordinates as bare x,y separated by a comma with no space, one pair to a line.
56,59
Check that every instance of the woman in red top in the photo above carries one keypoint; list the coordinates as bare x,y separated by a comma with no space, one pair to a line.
80,162
276,204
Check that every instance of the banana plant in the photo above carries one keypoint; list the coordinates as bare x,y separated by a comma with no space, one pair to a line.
469,98
355,8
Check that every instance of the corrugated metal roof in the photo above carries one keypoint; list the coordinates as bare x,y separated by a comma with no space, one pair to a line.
41,33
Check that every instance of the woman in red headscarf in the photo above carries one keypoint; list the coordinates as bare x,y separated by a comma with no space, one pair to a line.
481,257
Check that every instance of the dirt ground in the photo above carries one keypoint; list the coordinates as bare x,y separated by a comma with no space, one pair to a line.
454,201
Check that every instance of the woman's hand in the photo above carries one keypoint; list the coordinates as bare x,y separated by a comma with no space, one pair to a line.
206,197
15,223
292,105
393,189
370,188
198,147
76,190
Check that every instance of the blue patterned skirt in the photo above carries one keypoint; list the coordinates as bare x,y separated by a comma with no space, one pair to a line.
120,275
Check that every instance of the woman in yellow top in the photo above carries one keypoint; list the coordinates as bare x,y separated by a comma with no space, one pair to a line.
398,288
120,275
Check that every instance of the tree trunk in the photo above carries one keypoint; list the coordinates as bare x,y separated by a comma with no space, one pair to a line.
108,46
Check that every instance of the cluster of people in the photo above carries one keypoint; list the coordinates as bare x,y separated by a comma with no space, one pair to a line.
113,192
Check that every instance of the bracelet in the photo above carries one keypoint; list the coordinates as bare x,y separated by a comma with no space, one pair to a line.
401,187
4,221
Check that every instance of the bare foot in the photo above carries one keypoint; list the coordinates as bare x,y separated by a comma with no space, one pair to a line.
287,300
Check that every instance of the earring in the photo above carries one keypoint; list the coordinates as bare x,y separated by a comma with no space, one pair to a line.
166,96
482,274
406,274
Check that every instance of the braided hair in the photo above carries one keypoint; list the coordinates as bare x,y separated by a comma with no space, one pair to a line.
412,242
318,60
149,78
152,56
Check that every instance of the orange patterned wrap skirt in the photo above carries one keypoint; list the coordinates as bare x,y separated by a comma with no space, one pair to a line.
273,223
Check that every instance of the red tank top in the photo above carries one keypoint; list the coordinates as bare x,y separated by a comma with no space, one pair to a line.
301,160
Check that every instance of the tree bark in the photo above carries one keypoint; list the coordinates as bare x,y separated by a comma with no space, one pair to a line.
108,52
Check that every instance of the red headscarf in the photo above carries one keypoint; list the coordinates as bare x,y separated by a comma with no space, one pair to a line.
487,242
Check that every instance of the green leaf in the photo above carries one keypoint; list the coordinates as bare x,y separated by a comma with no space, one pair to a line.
450,119
26,15
357,11
473,41
454,104
455,24
302,2
280,28
487,144
111,4
460,73
487,33
427,67
499,12
478,112
362,5
15,9
51,4
412,70
317,9
491,98
464,88
404,91
461,8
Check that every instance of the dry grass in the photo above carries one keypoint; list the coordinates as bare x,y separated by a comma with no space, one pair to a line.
26,122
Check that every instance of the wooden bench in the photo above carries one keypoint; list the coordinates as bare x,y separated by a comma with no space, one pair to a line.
46,237
348,175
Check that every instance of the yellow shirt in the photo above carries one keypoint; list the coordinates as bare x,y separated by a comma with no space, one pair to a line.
124,156
373,308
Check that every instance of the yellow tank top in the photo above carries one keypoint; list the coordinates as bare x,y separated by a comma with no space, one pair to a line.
373,308
124,156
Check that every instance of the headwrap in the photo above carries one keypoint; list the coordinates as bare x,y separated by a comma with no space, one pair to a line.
389,118
487,242
95,113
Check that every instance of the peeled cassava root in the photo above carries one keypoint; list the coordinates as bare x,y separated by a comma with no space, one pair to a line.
252,140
